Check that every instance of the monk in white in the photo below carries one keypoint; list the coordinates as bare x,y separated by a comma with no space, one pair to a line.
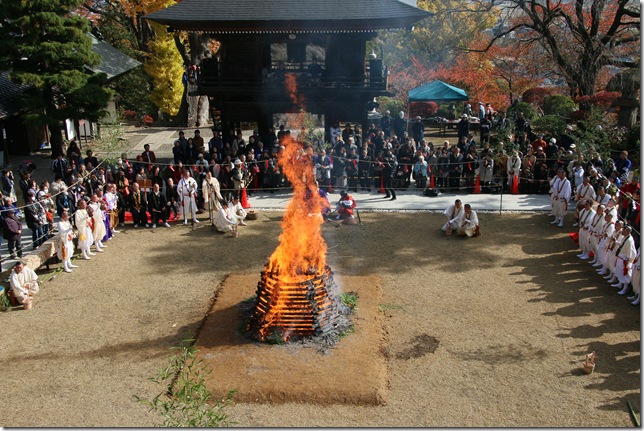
596,226
560,196
454,213
187,189
636,279
84,224
65,243
624,261
223,221
99,230
469,223
23,282
211,194
585,216
584,192
611,248
605,236
236,211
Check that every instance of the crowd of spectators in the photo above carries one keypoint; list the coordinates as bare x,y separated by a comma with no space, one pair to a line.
384,158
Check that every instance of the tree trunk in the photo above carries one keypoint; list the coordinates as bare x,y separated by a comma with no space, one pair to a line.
56,141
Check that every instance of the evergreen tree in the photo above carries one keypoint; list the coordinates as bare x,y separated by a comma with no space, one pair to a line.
46,46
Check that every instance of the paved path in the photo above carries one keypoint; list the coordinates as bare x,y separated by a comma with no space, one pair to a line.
412,201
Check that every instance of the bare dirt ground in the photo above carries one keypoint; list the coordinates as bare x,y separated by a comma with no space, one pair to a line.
482,332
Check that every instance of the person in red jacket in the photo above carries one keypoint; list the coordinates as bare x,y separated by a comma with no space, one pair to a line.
345,206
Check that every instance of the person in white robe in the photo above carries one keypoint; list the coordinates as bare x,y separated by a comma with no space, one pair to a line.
84,225
98,232
585,217
187,189
584,192
603,240
236,211
23,282
596,226
610,256
636,279
469,222
625,255
561,196
65,243
454,213
223,221
211,194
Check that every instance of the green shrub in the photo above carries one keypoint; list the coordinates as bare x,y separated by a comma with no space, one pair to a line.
559,104
528,109
552,125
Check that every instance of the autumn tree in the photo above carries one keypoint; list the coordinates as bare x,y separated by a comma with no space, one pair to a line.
580,38
47,47
164,65
438,39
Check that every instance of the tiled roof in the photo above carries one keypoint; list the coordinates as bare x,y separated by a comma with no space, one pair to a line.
114,63
250,16
9,91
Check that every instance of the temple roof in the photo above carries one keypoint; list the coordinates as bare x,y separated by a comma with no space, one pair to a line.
288,16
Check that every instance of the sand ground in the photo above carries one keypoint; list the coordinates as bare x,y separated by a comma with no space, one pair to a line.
481,332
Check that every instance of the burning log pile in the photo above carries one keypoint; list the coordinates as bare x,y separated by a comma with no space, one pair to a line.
310,306
296,296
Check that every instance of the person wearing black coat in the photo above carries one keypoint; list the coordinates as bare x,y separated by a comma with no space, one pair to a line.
35,218
157,206
12,230
64,202
390,163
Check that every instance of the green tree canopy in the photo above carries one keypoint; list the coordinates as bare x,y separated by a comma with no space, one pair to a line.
47,47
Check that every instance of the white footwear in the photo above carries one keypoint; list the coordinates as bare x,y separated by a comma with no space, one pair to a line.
560,224
154,225
584,256
91,254
166,224
597,264
195,221
602,271
136,225
67,270
147,225
185,222
592,262
116,231
624,289
637,300
71,265
555,221
616,285
242,223
576,224
632,297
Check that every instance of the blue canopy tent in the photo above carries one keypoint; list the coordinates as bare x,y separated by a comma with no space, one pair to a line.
436,91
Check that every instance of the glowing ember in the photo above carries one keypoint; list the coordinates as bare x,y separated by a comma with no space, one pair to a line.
296,294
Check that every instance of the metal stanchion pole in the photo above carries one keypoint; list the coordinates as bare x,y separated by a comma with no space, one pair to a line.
501,200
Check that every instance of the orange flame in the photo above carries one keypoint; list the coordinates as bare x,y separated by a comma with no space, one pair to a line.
301,253
302,248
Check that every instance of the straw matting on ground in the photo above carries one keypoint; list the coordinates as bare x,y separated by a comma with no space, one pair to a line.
487,331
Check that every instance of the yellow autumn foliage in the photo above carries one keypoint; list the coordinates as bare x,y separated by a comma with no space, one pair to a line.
165,66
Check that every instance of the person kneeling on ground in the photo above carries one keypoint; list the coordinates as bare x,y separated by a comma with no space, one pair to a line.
345,206
469,223
454,213
223,221
23,282
236,211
